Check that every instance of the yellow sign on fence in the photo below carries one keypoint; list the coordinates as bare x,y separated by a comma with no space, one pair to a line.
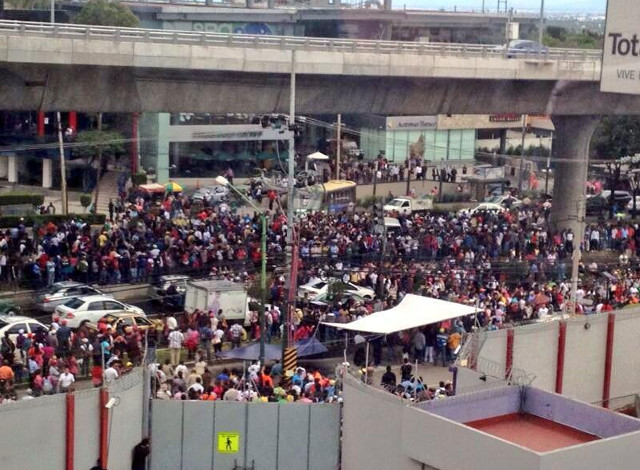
229,442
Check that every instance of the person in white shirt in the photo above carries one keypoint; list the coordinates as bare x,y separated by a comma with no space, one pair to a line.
172,323
176,338
543,312
66,380
110,374
181,368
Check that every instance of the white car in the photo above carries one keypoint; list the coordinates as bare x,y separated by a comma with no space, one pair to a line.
484,207
316,287
14,323
505,200
91,308
212,194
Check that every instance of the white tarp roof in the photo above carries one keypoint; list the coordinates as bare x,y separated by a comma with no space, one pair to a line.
413,311
317,156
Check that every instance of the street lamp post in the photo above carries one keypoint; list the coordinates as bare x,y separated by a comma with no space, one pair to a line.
222,181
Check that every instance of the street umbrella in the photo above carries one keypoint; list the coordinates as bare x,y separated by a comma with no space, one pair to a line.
310,347
173,187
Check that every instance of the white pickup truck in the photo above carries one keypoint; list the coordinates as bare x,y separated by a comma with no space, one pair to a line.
408,205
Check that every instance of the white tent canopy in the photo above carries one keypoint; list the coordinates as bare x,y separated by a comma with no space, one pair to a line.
317,156
414,311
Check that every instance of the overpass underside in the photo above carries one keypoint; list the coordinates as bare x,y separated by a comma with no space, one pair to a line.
126,89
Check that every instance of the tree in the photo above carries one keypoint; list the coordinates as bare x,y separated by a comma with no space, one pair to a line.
616,137
97,145
105,13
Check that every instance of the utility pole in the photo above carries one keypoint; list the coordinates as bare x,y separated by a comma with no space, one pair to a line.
541,27
63,168
546,178
290,187
338,146
524,134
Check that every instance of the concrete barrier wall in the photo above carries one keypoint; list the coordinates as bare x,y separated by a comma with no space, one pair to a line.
536,345
87,432
372,429
585,357
126,419
270,436
584,375
32,434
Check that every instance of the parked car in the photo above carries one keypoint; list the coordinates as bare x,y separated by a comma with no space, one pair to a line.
61,292
483,207
120,320
9,308
316,287
14,323
619,197
83,309
596,206
505,200
630,205
159,292
212,194
408,205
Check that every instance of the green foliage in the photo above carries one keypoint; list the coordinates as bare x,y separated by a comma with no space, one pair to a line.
556,36
616,137
105,13
27,4
95,143
8,221
369,201
12,198
85,200
139,178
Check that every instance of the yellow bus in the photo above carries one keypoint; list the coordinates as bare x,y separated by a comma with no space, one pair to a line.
334,195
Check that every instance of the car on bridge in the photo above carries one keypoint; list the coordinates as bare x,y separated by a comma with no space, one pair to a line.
522,48
90,309
483,207
61,292
316,287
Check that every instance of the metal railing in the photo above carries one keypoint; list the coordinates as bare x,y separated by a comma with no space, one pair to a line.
9,28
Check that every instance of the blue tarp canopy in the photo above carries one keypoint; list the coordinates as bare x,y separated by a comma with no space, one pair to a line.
251,352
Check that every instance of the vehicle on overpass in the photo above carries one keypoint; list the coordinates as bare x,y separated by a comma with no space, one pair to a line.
522,48
14,323
409,205
121,320
91,309
212,194
61,292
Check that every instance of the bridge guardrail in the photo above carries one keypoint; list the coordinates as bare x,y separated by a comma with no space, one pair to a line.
283,42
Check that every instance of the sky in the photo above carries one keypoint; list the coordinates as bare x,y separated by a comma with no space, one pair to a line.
552,6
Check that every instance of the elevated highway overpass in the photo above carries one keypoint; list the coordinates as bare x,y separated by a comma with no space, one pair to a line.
45,66
87,68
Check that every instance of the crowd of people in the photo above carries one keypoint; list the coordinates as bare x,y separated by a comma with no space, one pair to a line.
49,362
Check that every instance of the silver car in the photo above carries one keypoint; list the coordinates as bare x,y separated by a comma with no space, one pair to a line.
61,292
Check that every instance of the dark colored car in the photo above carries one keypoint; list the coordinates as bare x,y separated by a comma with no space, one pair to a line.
523,48
596,205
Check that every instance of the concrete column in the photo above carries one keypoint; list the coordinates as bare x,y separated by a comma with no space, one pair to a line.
271,4
47,172
12,170
571,152
503,141
162,163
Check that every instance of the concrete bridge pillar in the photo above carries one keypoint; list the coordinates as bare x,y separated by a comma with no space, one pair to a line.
571,152
12,169
47,172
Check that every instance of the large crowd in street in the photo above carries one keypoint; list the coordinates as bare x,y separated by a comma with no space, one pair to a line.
511,265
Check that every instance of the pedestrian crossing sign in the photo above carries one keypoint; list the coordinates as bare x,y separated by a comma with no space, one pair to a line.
228,442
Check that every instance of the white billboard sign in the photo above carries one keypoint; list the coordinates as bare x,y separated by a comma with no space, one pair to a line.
621,57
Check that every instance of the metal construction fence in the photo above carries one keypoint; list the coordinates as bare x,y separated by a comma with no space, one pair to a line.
228,435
